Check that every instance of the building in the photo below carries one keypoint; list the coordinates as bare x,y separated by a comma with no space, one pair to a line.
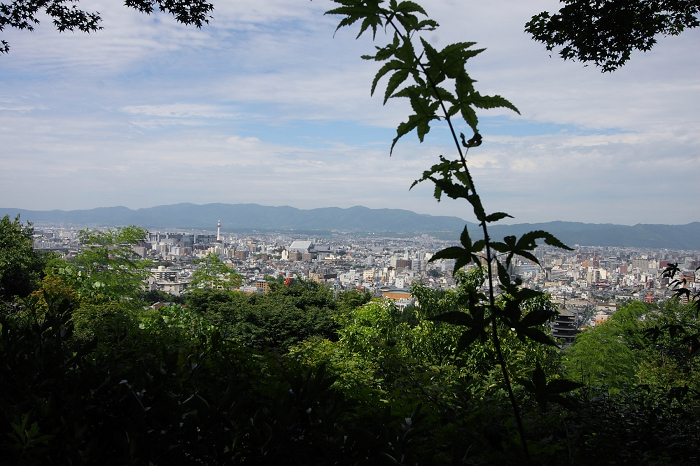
301,246
564,326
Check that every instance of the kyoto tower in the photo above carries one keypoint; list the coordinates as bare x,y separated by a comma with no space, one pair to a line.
218,231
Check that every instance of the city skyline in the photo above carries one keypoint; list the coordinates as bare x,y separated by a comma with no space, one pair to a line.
265,106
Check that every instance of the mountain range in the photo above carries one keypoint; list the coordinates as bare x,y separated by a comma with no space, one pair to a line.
246,217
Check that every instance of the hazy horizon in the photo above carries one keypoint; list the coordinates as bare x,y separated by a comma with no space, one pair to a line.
503,222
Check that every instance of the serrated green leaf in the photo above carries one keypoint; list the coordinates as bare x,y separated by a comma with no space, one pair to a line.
388,66
395,81
446,168
463,177
454,191
527,384
455,56
537,335
454,252
469,115
500,247
469,337
497,216
466,339
444,95
539,379
496,101
425,112
465,239
512,312
461,263
475,201
529,240
372,22
427,25
503,275
529,256
537,317
410,7
433,56
403,129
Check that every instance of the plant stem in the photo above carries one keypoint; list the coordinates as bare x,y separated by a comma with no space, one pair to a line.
489,258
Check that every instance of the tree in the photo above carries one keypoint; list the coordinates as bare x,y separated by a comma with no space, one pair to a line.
211,273
276,320
22,14
107,268
21,267
608,354
605,32
672,355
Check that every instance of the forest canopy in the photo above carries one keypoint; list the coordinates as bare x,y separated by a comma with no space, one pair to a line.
300,375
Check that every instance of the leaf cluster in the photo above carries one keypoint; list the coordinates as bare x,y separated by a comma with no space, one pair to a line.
429,69
274,321
606,32
21,267
106,268
212,273
679,286
67,16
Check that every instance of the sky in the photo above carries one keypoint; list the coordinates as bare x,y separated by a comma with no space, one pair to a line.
267,105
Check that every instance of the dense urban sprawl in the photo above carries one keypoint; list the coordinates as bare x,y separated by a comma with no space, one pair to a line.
588,283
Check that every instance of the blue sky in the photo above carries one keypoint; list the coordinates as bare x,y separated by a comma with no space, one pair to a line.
265,105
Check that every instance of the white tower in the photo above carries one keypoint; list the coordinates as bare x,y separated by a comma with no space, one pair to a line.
218,231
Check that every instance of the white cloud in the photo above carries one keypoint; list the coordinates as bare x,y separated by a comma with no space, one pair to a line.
264,105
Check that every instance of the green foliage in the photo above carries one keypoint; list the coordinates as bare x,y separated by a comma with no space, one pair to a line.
671,359
154,296
276,321
146,399
604,356
546,392
607,32
652,348
636,427
212,273
351,299
27,445
66,16
21,267
106,269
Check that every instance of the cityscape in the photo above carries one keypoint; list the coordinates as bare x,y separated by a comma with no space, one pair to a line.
588,283
349,232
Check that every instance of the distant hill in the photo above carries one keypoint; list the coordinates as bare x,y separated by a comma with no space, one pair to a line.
242,217
594,234
248,217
